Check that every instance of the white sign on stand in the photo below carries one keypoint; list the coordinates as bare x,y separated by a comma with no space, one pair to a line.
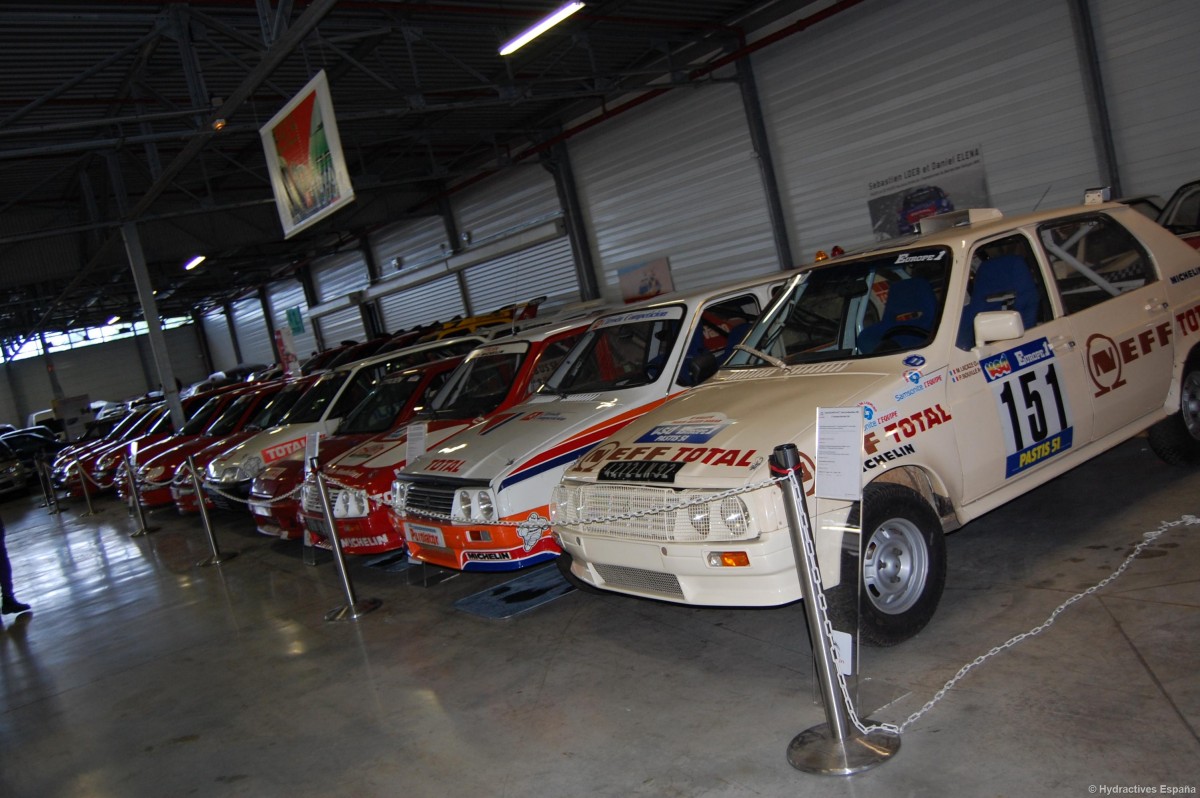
839,453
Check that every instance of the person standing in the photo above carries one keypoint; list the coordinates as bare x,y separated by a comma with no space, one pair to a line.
8,602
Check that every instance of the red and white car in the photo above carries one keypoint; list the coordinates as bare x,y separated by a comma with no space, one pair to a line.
988,356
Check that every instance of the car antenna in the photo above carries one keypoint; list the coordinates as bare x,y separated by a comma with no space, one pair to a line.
1038,204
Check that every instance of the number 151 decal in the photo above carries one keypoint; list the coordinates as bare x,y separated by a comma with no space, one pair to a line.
1034,412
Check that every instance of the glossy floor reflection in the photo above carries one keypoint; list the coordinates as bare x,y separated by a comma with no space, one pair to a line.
140,674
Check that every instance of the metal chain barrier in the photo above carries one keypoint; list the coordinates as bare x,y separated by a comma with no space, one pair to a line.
272,500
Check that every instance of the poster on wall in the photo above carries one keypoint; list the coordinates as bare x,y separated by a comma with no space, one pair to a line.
644,280
948,181
304,158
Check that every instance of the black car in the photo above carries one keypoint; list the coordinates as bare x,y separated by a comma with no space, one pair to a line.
28,443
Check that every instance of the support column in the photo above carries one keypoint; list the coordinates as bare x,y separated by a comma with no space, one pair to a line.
766,164
1097,100
558,162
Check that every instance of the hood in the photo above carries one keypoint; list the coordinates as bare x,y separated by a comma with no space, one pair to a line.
530,438
390,450
272,444
726,427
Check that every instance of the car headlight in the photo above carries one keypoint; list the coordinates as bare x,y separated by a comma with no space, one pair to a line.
698,515
475,505
485,505
350,503
735,514
249,468
153,473
182,474
106,463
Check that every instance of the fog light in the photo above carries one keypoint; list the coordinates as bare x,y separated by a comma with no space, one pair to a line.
728,559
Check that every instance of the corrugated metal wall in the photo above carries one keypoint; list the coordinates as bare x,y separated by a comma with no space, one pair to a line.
936,77
545,270
439,300
335,277
518,196
220,339
290,294
414,241
1150,64
676,178
251,326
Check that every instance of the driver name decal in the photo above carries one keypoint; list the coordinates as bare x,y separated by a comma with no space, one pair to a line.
1034,413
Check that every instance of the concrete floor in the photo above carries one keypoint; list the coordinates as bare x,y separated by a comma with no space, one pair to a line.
140,674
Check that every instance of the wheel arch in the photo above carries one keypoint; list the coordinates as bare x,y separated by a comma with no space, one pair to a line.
1182,367
929,487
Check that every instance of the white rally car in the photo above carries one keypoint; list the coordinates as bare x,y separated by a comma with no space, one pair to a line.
988,356
478,501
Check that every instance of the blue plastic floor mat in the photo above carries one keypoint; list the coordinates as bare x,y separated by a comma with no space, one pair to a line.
518,595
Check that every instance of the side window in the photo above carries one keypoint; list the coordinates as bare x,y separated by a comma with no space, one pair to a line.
1094,259
722,326
1004,276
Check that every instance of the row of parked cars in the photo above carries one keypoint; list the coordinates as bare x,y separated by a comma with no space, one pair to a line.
986,354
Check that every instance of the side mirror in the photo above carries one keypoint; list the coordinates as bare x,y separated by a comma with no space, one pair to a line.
998,325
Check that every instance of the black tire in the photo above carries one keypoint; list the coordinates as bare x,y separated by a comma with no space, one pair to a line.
902,567
563,561
1176,439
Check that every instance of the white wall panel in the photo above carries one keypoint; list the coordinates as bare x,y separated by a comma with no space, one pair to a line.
545,270
676,178
220,340
287,294
251,327
337,275
1150,65
438,300
414,241
518,195
342,325
889,85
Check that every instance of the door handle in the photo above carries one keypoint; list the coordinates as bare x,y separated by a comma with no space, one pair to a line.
1062,343
1156,306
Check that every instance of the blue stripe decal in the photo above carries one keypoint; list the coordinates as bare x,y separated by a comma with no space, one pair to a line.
507,565
562,459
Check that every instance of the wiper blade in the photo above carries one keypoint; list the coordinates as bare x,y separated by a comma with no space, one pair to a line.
774,361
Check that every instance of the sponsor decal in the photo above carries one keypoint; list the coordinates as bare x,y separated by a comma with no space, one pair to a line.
641,315
445,465
932,257
1035,416
965,372
640,471
532,529
694,429
869,412
883,458
424,535
489,555
282,450
1106,357
592,460
1189,274
542,415
914,361
919,382
908,427
362,543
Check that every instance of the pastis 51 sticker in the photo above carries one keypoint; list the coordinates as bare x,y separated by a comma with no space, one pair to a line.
1034,412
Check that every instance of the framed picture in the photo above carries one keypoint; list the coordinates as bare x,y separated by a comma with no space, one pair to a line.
304,158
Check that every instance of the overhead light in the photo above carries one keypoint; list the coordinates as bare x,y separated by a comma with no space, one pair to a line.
193,263
218,123
540,28
113,320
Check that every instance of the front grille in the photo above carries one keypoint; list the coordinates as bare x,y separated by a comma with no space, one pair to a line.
640,579
602,509
430,499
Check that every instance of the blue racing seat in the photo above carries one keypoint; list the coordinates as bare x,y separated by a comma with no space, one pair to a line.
912,304
1002,283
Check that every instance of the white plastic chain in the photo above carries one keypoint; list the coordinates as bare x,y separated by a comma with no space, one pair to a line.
544,523
827,627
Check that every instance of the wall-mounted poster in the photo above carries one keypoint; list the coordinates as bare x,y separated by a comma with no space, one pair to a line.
644,280
953,181
304,158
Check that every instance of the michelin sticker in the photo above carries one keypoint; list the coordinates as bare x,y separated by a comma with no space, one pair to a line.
1034,412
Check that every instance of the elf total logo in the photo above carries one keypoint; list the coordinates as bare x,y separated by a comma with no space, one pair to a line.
1104,363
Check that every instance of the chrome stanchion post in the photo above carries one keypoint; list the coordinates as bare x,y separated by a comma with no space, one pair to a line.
354,608
835,747
47,485
131,478
87,494
217,557
54,506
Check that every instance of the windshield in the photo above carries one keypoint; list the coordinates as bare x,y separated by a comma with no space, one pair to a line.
379,410
852,309
621,351
204,416
270,414
311,406
227,421
480,384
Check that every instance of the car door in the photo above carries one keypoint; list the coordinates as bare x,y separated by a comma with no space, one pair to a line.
1018,403
1118,312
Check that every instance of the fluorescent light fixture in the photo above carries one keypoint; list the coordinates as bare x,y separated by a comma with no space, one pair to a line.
193,263
113,320
540,28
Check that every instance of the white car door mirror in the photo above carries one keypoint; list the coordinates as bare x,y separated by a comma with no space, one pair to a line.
998,325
